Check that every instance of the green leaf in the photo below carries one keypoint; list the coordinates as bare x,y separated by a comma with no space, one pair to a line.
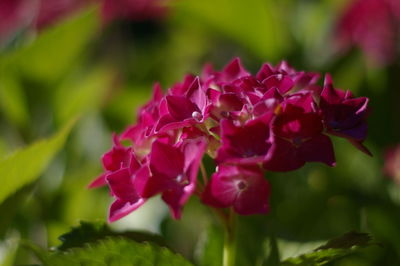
332,250
25,165
57,48
88,232
252,238
256,24
211,249
80,94
12,100
115,251
9,248
347,241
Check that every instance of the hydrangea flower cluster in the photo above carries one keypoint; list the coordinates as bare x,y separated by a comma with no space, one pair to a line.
276,120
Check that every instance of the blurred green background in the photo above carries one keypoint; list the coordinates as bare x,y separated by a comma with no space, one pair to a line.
76,82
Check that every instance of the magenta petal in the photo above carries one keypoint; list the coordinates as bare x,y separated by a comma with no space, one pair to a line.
357,133
99,181
343,115
213,95
172,169
282,82
197,95
157,93
121,208
176,198
329,94
171,197
180,89
181,108
265,71
193,151
230,102
133,132
220,192
318,149
168,123
245,144
166,160
164,121
282,156
121,185
176,189
114,159
303,100
255,199
141,180
234,70
158,184
243,188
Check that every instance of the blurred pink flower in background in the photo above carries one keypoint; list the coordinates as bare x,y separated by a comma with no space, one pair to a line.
14,16
392,163
372,25
32,15
136,10
51,11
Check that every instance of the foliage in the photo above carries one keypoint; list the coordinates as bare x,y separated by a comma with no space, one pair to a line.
88,232
25,165
332,250
114,251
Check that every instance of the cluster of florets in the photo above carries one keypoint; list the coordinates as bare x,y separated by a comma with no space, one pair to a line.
277,120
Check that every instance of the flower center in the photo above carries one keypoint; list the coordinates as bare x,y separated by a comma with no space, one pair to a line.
181,179
297,141
241,185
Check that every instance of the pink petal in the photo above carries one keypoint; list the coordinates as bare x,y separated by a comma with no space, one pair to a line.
119,208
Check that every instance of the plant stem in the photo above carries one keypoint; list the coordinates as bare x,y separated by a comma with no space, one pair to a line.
229,240
203,173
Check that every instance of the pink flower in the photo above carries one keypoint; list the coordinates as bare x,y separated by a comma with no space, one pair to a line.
392,163
243,188
173,173
51,11
35,15
298,137
15,15
32,15
122,187
245,144
277,120
185,109
115,159
344,115
136,10
140,133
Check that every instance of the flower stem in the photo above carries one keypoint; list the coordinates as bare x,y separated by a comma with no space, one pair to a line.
203,173
229,241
